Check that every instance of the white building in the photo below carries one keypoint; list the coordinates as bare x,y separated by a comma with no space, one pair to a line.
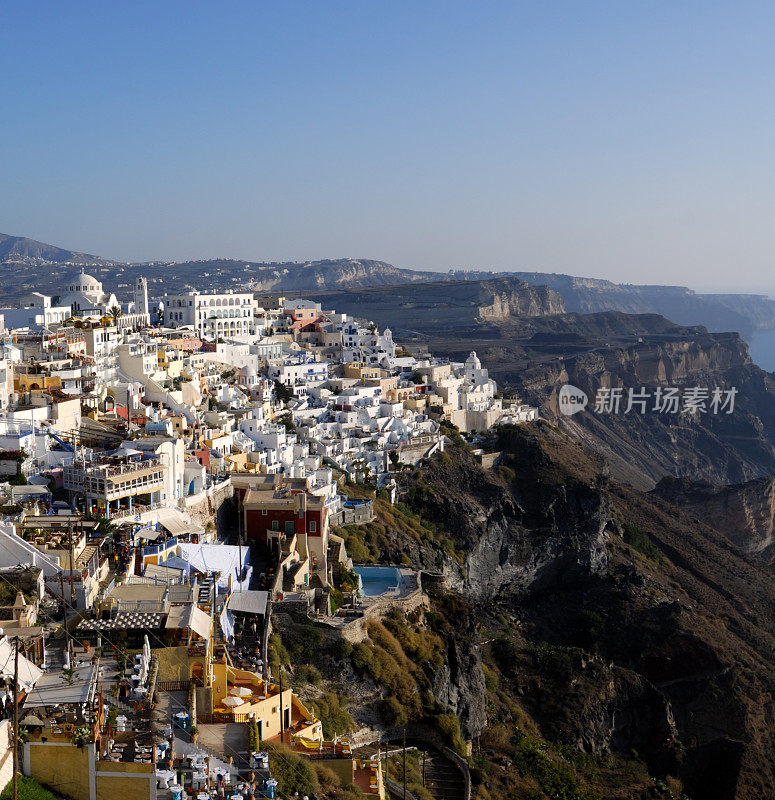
85,296
213,316
35,311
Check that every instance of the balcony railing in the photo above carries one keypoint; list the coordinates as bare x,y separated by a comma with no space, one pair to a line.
136,511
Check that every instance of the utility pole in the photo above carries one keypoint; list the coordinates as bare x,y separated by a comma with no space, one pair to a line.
62,592
404,763
15,719
239,543
423,768
387,756
282,712
72,560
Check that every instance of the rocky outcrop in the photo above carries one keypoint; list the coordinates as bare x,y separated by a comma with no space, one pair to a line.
516,299
459,684
718,312
507,559
460,308
669,654
616,350
744,513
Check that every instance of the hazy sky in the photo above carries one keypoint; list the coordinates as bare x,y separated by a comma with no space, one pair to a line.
626,140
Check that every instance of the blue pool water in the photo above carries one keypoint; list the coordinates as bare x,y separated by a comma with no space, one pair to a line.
375,581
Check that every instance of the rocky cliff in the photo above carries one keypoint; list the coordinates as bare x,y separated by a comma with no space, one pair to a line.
445,308
743,313
744,513
615,623
534,357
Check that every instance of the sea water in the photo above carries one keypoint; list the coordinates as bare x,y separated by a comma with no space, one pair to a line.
762,348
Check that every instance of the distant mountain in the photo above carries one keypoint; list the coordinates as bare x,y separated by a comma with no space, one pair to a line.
24,266
19,249
300,276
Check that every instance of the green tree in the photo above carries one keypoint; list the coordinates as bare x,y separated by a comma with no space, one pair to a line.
282,393
115,313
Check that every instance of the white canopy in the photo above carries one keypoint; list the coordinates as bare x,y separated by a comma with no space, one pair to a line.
233,701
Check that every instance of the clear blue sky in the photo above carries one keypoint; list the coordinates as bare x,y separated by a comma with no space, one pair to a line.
628,140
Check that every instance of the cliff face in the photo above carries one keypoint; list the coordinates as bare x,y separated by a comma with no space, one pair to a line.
642,448
459,684
444,308
744,513
515,299
718,312
664,646
537,356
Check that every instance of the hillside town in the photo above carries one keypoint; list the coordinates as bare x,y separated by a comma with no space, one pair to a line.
174,472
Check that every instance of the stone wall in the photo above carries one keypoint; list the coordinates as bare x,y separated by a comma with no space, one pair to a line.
434,581
213,505
355,515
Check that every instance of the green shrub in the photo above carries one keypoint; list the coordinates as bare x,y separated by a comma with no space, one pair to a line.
639,540
303,643
292,772
307,673
333,714
505,651
28,789
337,599
491,680
554,662
393,713
557,780
327,777
341,648
449,725
589,627
278,654
363,658
507,474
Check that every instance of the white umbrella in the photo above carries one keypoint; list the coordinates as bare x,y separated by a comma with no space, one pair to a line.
233,701
241,691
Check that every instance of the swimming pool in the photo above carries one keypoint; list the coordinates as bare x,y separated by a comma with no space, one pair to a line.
374,581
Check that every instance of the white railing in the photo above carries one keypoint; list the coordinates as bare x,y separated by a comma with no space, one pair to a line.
136,511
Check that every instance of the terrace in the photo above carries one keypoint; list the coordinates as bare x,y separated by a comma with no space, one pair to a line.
240,695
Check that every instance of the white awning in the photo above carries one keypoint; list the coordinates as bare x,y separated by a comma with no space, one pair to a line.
189,617
29,673
250,602
54,688
177,524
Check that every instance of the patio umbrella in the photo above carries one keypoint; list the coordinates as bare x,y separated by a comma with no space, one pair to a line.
240,691
233,701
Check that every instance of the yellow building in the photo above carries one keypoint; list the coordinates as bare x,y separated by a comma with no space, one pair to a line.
361,371
274,712
238,695
72,757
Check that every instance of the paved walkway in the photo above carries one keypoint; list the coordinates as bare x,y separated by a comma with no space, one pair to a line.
228,739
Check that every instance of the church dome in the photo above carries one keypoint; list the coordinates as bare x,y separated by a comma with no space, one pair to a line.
84,282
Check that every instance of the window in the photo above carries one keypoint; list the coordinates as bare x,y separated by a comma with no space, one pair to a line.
313,526
264,512
275,525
